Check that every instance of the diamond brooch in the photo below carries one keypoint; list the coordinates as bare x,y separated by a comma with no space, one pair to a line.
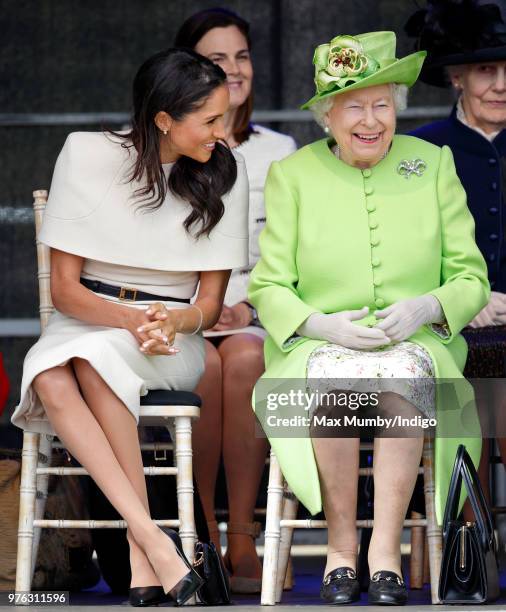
408,167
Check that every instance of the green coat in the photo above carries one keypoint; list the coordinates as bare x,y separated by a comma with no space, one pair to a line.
340,238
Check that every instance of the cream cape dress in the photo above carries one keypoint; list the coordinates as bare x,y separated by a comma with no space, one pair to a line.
91,213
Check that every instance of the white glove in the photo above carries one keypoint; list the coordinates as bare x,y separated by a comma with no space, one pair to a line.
494,312
339,329
402,319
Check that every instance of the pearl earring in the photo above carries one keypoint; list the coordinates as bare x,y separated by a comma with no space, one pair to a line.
326,129
165,132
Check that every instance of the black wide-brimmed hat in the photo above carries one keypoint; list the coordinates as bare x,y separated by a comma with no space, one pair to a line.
458,32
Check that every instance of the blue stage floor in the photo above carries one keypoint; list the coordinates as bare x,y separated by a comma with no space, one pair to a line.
305,593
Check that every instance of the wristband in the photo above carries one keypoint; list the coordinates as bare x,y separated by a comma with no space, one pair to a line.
254,315
197,329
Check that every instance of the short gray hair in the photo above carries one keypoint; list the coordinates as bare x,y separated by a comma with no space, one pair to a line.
322,107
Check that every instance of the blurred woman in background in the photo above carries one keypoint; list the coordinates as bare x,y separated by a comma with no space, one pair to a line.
473,62
234,347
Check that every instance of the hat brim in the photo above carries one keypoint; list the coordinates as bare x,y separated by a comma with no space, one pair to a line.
404,71
434,72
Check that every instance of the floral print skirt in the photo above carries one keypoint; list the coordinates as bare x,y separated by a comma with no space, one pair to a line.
404,368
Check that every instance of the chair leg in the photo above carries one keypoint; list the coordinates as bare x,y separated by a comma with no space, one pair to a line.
289,582
433,531
416,558
42,483
426,567
290,505
27,494
272,533
183,453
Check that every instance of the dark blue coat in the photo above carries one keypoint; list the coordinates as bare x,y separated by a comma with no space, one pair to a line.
481,166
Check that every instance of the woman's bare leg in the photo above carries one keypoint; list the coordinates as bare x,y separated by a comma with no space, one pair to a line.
396,463
338,463
484,477
120,429
243,452
81,433
489,399
207,435
500,420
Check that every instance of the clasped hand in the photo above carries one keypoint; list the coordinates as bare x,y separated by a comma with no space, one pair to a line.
154,329
339,328
494,312
233,317
402,319
398,322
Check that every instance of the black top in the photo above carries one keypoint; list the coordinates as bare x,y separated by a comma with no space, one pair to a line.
481,166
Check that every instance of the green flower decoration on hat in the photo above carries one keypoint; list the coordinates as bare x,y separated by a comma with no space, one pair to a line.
353,62
341,62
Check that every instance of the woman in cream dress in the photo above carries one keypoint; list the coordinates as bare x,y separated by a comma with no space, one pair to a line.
135,221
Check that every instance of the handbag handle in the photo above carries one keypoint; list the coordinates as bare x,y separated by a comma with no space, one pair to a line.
464,470
477,499
452,502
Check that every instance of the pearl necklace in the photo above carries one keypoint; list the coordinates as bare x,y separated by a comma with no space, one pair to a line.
337,151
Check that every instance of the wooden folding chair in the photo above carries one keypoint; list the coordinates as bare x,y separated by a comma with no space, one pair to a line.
158,408
281,521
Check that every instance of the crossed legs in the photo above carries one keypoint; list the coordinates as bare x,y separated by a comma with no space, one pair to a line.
101,434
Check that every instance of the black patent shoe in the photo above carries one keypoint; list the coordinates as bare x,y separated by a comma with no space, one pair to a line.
174,536
189,584
340,586
387,589
140,597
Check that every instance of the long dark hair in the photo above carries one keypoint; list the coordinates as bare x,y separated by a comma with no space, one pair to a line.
189,34
178,81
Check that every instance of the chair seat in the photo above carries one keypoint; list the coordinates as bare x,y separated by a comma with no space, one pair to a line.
160,397
156,407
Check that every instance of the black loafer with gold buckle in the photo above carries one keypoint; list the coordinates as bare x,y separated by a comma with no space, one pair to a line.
340,586
387,589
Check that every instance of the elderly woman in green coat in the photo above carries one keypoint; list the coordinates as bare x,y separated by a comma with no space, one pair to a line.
368,269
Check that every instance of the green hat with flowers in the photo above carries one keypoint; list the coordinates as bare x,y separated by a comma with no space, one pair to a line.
354,62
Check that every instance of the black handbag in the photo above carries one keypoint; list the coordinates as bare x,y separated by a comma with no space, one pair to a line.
209,566
469,571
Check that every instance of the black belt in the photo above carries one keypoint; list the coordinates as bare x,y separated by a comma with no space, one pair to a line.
128,294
